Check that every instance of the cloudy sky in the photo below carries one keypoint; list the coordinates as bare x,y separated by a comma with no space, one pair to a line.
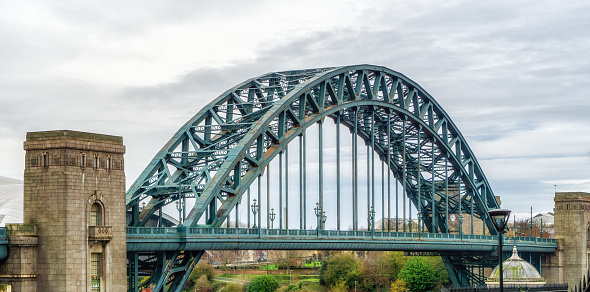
513,75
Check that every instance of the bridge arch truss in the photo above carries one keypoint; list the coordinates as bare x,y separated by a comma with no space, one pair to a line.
225,148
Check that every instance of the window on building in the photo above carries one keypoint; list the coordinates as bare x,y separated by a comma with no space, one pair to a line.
95,270
96,163
108,163
82,160
45,159
95,215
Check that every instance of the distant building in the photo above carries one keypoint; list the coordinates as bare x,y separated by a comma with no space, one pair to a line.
546,218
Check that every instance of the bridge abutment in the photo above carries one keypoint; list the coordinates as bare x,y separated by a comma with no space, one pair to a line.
74,194
569,263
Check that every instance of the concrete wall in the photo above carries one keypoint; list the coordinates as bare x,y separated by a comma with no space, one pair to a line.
59,190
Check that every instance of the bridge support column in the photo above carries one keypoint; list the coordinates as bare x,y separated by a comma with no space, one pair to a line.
132,271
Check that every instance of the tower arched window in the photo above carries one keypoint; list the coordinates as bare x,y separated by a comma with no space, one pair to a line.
95,215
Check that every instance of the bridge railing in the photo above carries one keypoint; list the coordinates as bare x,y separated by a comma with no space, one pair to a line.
167,232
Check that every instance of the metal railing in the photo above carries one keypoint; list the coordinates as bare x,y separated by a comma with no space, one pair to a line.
203,232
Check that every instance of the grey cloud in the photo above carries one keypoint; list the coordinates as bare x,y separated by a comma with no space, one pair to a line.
499,69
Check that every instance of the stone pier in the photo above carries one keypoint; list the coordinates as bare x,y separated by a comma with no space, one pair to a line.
73,237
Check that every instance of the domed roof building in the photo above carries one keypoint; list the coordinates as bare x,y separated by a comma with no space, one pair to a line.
516,272
11,201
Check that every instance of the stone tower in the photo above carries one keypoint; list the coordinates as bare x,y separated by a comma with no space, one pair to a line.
569,263
74,193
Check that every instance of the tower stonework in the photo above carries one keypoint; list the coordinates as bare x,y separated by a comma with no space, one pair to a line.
74,193
569,263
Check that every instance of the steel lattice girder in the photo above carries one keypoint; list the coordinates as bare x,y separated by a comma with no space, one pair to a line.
221,150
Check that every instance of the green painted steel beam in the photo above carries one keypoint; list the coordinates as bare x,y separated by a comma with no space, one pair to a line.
171,239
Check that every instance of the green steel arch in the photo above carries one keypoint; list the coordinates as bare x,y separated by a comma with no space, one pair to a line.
226,146
223,148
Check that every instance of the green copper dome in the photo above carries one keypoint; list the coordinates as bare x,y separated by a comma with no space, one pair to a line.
515,269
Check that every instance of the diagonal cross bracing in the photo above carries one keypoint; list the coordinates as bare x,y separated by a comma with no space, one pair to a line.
228,144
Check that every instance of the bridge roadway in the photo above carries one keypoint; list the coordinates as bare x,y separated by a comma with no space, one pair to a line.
199,238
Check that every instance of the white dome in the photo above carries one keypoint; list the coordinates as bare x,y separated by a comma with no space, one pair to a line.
516,270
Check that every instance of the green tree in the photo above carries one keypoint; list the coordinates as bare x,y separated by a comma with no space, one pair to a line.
340,268
418,274
202,284
232,287
380,269
439,268
263,283
398,286
200,270
392,262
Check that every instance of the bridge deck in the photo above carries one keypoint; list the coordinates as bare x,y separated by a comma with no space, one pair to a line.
181,238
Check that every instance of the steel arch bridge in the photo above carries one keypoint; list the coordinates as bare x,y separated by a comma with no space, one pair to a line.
225,149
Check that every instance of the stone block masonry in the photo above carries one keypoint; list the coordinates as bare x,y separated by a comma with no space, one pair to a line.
75,182
570,261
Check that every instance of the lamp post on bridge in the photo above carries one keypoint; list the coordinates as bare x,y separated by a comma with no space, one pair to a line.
372,221
179,207
499,219
324,218
272,217
254,207
318,213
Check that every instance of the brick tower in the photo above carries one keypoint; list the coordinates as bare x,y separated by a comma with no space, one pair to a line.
74,192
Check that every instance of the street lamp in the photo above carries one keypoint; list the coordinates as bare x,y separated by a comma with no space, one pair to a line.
272,217
179,207
324,218
318,213
254,208
499,219
372,219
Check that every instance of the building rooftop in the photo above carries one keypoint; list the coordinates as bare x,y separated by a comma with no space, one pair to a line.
516,271
11,201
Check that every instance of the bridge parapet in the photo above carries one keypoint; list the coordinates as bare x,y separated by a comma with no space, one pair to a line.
174,238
